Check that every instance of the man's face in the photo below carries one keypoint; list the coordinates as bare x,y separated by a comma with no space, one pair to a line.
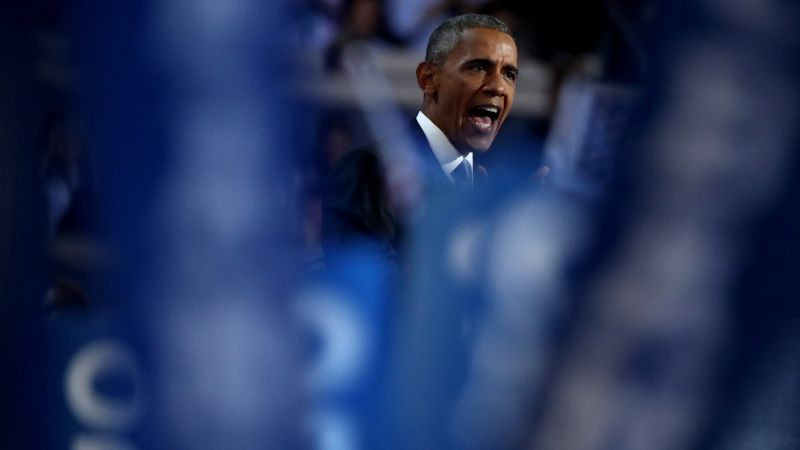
474,88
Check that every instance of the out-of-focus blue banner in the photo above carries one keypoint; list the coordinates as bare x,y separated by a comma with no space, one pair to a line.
189,343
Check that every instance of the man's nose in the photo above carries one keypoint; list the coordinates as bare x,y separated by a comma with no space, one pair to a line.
493,85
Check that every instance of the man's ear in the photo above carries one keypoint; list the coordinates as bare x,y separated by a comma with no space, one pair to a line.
428,78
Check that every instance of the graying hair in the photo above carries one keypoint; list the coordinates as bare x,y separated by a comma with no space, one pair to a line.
446,36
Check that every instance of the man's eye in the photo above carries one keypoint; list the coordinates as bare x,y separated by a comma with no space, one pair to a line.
481,67
511,76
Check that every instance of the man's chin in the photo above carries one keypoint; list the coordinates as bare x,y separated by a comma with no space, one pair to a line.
481,144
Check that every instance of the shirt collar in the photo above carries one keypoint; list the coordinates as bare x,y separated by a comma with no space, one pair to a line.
447,155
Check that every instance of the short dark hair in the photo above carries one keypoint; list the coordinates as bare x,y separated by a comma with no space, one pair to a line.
446,36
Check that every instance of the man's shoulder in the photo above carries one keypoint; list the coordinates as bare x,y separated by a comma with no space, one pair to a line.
404,150
355,201
366,156
377,155
363,164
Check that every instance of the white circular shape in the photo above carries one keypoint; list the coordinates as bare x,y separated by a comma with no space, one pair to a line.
88,405
345,340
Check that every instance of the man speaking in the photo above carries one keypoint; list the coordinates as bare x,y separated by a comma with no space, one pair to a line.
467,81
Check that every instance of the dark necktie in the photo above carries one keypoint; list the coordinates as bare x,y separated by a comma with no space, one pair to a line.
461,174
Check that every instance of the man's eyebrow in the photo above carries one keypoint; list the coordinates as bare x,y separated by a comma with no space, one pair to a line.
486,61
490,62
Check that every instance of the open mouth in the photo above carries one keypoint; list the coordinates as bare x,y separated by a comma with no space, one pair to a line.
483,116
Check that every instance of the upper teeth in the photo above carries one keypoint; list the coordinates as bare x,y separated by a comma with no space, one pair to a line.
492,109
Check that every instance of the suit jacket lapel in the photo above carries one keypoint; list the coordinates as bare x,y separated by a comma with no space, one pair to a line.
429,165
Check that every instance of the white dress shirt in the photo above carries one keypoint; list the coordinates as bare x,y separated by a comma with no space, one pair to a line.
447,155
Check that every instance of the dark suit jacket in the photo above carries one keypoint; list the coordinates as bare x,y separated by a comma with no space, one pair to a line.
357,205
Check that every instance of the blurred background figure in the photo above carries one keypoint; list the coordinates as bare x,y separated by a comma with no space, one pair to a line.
362,23
69,182
316,22
62,171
